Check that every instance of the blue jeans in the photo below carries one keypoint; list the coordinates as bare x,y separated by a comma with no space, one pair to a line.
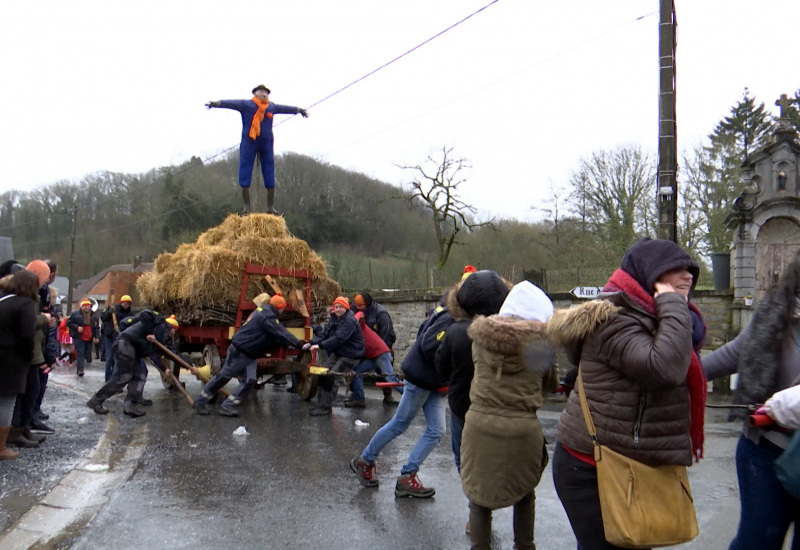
82,349
414,398
456,427
767,509
236,364
382,363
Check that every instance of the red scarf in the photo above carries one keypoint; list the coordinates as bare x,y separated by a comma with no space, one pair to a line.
695,379
258,118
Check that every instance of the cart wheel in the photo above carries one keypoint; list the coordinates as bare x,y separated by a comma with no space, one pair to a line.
306,385
176,370
211,357
306,382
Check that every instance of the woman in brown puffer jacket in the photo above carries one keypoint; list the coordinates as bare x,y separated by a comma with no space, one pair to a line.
636,348
503,450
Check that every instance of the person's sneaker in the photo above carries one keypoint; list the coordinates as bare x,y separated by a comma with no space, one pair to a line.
390,401
42,416
145,402
355,403
80,372
96,406
409,485
39,427
201,408
133,410
365,471
228,411
320,411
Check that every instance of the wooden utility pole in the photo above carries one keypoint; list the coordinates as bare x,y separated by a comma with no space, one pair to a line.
667,181
74,211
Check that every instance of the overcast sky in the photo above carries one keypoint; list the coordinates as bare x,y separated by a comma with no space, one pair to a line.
522,90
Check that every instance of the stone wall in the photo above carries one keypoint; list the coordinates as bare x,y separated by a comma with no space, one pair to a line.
723,318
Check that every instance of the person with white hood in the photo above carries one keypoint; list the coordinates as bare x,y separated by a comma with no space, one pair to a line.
503,451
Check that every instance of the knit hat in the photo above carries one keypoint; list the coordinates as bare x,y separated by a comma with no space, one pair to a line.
342,301
359,300
171,320
278,301
86,302
648,259
527,301
125,298
41,269
468,270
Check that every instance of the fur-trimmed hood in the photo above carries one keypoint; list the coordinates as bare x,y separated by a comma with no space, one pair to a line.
482,293
506,334
569,327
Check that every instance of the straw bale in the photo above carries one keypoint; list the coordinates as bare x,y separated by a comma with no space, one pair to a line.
162,261
262,225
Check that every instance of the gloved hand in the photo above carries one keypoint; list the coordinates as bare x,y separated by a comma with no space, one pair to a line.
211,104
303,112
306,346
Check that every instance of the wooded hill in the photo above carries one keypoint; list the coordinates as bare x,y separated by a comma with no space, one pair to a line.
369,232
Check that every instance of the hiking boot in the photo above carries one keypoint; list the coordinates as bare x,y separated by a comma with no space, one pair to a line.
96,406
365,471
320,411
201,408
133,410
17,439
390,401
355,404
144,402
228,411
36,438
409,485
39,427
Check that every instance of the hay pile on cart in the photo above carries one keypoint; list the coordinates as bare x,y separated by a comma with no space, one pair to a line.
200,282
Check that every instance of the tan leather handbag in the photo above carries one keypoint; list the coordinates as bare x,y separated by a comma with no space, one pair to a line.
643,506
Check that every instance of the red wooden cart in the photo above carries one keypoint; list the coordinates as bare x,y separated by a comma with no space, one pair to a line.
213,341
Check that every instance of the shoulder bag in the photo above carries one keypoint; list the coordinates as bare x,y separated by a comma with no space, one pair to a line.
643,506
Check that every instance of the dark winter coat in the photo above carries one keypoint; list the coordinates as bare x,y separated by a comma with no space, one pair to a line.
17,336
42,352
766,356
482,293
262,332
418,365
378,319
634,367
144,323
503,450
76,320
342,337
121,313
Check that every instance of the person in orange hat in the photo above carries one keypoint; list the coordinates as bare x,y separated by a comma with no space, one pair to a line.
260,333
134,344
257,139
377,319
112,317
344,343
84,330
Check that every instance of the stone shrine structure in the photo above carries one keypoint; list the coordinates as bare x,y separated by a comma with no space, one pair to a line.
766,215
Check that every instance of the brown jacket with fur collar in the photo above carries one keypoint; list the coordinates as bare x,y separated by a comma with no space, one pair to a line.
634,368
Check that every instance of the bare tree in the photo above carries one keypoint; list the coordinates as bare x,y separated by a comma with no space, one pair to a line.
436,185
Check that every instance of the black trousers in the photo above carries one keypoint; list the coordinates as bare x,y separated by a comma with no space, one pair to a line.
576,486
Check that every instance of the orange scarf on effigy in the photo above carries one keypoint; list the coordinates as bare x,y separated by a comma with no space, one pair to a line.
258,118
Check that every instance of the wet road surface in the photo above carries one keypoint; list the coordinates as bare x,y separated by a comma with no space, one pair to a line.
173,479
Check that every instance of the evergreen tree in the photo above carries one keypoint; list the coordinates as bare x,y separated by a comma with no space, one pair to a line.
747,126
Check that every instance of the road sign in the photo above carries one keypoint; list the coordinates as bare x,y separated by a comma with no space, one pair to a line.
585,291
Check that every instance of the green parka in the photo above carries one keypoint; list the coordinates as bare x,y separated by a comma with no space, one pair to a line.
503,450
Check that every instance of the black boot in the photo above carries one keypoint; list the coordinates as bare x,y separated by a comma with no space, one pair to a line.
271,202
246,198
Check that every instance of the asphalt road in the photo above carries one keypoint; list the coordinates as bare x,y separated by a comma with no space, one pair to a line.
173,479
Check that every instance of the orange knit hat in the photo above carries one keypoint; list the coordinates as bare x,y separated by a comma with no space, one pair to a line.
278,301
41,269
86,302
342,301
171,320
